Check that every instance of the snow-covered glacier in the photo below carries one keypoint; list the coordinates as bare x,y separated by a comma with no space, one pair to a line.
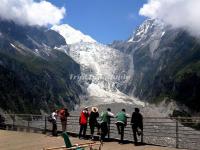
104,70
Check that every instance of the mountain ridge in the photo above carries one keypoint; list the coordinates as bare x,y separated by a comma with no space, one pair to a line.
162,58
35,77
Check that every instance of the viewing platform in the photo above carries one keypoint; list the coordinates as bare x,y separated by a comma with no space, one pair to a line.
158,134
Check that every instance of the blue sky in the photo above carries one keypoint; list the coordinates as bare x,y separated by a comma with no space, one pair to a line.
104,20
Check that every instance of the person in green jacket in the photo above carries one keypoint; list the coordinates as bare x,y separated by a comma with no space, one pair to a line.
104,122
121,123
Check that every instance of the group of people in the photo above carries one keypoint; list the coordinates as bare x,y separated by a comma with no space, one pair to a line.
100,121
104,121
93,122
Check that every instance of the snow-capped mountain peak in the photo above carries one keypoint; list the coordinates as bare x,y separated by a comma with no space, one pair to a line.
149,34
72,35
147,29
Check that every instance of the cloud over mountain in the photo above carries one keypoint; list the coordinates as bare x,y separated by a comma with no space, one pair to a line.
30,12
178,13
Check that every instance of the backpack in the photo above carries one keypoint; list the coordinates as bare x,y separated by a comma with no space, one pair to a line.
49,118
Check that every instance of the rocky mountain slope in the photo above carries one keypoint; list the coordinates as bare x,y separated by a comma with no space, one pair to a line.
40,69
166,64
34,74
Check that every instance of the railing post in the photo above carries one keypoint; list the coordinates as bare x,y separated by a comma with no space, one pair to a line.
28,123
45,124
109,128
13,123
66,123
177,134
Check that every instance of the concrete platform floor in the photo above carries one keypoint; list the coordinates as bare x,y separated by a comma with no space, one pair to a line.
12,140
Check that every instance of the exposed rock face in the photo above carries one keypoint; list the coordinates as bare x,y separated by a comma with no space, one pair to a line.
166,64
34,74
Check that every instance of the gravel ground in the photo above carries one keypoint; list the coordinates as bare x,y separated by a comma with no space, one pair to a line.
11,140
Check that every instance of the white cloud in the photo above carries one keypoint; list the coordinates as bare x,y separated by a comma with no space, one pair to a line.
30,12
178,13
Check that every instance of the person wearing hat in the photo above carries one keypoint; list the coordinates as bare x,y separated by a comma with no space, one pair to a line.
93,121
83,122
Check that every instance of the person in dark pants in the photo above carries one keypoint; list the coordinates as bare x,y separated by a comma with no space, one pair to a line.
104,121
54,123
83,122
63,114
137,122
121,123
93,121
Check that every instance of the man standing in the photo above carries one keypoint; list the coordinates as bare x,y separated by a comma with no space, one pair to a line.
63,114
137,122
83,122
104,121
121,123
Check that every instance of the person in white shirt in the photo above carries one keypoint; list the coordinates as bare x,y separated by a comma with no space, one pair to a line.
54,124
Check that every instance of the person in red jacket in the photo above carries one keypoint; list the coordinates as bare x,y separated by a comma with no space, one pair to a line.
63,114
83,122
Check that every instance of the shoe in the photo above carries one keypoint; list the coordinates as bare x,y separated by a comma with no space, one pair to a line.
92,138
136,143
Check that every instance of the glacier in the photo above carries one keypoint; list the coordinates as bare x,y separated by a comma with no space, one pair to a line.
104,70
109,70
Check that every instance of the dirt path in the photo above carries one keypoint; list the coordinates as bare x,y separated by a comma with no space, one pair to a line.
11,140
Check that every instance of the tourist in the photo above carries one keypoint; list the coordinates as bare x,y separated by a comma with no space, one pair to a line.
137,123
121,123
83,122
54,123
104,122
63,114
93,121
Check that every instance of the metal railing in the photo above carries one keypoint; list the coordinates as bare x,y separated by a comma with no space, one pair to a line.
171,132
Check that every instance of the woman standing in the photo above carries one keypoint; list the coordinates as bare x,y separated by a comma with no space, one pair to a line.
93,121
